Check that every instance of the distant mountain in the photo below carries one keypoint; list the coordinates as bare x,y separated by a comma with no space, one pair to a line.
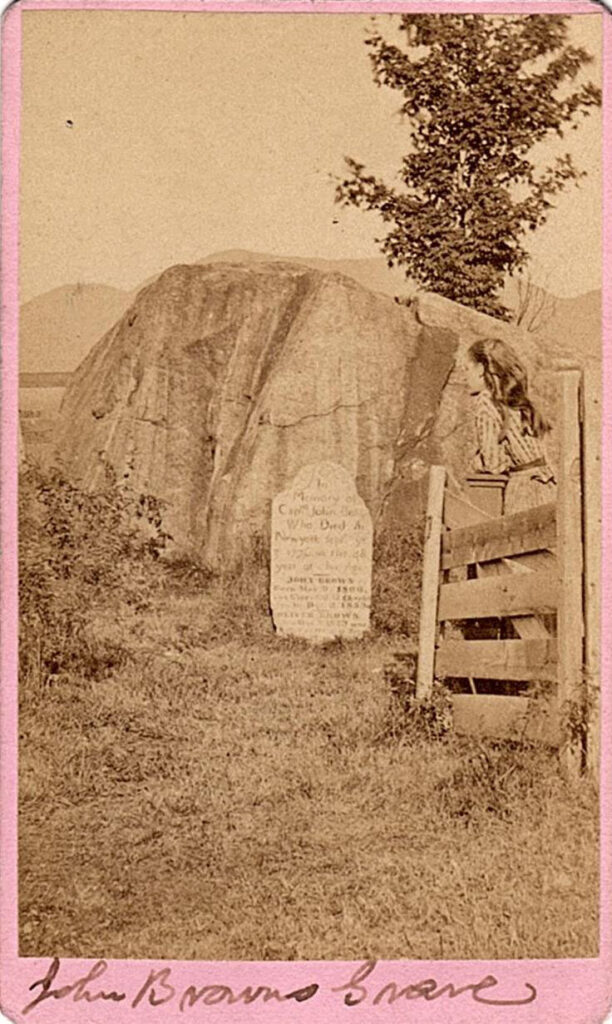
59,328
576,326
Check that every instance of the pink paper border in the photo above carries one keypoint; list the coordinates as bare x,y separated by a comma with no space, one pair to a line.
317,6
569,991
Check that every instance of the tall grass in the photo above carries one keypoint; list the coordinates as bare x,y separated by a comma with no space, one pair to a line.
221,793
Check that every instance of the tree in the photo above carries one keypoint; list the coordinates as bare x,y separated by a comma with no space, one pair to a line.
480,92
535,307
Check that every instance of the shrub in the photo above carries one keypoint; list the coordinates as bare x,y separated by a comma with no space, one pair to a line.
77,550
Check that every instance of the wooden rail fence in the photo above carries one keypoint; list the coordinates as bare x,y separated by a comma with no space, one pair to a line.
515,599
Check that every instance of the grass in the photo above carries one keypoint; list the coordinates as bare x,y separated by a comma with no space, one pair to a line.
220,793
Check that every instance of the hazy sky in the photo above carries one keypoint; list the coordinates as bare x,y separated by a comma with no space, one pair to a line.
193,133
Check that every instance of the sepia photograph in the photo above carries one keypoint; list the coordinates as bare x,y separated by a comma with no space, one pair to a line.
309,537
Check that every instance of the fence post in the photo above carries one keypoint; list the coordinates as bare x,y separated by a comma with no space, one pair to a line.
591,501
569,554
428,625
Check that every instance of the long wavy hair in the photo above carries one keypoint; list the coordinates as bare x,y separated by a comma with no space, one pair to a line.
506,379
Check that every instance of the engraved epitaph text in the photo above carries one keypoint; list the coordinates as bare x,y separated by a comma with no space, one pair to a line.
321,564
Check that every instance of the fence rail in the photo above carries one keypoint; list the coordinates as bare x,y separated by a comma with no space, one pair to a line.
527,575
514,660
499,597
519,533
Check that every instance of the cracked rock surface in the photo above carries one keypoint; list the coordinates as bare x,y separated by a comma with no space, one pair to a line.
222,380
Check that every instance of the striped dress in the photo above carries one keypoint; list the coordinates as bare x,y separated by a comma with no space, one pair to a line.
511,448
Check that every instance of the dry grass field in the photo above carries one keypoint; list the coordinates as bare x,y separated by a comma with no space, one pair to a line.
192,786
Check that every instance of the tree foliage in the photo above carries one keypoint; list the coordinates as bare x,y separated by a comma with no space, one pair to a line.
479,92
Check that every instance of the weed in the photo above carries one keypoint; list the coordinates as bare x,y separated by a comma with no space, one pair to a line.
185,575
429,717
492,778
578,719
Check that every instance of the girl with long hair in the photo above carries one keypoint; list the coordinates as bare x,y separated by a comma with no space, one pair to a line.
509,427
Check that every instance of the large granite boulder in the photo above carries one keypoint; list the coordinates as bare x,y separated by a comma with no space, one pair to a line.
221,381
449,438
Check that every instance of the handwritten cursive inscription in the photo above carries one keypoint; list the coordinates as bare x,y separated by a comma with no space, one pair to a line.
159,989
429,989
79,989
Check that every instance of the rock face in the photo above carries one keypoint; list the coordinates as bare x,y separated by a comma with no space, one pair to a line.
220,382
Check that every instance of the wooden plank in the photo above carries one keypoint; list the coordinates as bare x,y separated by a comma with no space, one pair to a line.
569,547
591,503
518,718
501,596
428,626
458,512
535,561
528,627
497,659
522,532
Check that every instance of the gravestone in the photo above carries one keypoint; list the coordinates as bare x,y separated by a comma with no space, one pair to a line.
321,556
